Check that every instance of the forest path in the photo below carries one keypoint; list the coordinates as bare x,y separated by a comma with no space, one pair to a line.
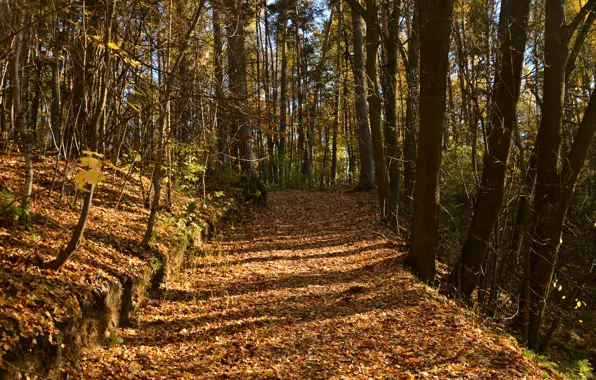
305,289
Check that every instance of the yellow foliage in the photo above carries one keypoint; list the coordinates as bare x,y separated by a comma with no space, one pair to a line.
132,62
90,153
92,163
91,177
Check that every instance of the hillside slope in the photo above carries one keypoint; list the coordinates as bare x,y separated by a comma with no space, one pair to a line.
47,317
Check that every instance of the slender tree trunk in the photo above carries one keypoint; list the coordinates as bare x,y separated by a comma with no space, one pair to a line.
412,77
269,145
18,112
164,118
325,154
283,106
374,102
367,175
100,84
391,48
337,100
302,131
156,176
164,122
334,142
222,130
346,121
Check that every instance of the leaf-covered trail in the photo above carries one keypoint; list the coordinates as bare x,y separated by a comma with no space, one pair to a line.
305,289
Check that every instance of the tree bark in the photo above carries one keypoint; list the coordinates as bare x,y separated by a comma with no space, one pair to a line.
391,46
18,114
412,119
553,190
503,116
374,102
435,29
164,123
283,89
222,130
99,83
337,99
367,175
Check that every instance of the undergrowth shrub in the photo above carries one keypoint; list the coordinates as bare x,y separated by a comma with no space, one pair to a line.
10,210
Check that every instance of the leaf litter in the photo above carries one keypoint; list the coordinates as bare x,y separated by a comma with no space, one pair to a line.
306,289
35,303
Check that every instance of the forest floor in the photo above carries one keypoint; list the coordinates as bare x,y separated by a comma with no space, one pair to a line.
309,288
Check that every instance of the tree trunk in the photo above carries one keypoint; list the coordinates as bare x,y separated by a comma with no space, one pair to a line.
412,119
391,47
19,117
554,190
435,29
502,119
156,176
100,84
283,89
238,86
374,102
222,130
367,175
164,124
337,100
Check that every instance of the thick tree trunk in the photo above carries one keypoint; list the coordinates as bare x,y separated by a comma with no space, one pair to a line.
549,217
553,190
435,29
502,119
237,86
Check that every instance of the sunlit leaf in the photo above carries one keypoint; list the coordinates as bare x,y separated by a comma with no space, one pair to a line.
92,163
88,177
90,153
